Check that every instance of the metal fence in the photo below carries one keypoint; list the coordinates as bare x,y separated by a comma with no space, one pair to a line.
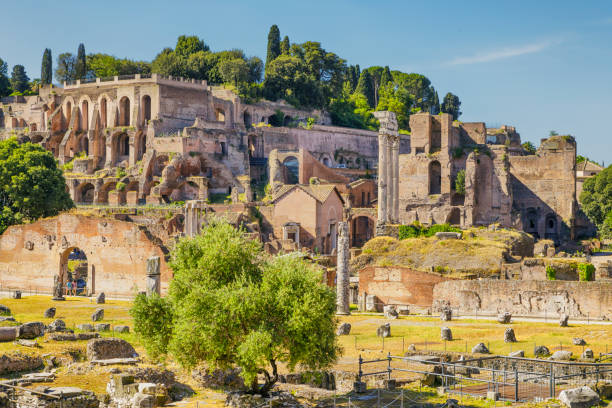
504,378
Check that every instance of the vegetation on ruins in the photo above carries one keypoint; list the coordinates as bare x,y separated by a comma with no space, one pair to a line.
451,104
551,272
5,85
596,200
460,182
586,272
19,79
31,184
417,229
230,305
529,147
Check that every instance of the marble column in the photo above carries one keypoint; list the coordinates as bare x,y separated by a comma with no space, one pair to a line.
342,270
382,178
395,178
153,275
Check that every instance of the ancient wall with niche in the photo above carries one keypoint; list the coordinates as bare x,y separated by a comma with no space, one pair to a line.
117,251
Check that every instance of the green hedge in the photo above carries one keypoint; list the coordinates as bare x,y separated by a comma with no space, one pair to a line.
551,273
416,230
586,271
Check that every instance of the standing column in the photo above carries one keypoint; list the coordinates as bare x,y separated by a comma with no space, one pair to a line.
342,270
153,276
389,178
395,177
382,181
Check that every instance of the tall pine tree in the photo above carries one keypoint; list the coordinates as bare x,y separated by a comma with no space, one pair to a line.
451,104
81,63
274,49
46,69
386,77
5,85
365,87
19,79
434,109
285,46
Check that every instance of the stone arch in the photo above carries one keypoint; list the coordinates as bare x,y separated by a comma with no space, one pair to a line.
120,145
68,104
287,120
140,144
551,227
85,108
219,115
23,123
291,166
104,190
83,144
435,140
362,230
85,193
248,121
531,222
103,113
435,177
124,111
74,268
145,106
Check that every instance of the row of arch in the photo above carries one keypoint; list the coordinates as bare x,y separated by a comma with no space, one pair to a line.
124,111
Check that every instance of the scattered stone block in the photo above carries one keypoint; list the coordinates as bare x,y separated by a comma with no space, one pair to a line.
371,303
9,333
403,310
57,325
27,343
101,298
86,327
446,334
588,354
563,320
31,330
517,353
412,348
582,397
504,318
577,341
509,336
87,336
384,330
359,387
102,327
62,336
562,355
98,315
17,294
344,329
50,313
541,351
390,312
7,319
492,395
480,348
109,348
122,329
446,314
5,311
448,235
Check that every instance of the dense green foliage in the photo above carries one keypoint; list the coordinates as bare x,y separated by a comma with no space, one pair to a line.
529,147
274,45
5,85
46,69
596,200
551,272
19,79
451,104
230,305
586,272
31,184
417,230
460,182
65,68
104,65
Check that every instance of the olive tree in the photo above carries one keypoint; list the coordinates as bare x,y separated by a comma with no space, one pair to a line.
231,305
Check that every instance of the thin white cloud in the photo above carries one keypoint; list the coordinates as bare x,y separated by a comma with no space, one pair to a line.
503,53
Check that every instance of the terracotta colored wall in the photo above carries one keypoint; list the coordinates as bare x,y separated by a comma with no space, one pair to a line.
399,286
116,252
297,206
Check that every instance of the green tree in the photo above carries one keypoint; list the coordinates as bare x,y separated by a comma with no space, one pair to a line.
529,147
229,305
553,133
460,182
285,46
435,102
255,69
386,77
19,79
234,70
65,70
104,65
274,49
46,69
185,46
365,88
596,197
80,66
5,84
451,104
167,63
31,184
288,77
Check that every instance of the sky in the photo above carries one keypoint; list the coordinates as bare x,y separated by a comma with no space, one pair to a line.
536,65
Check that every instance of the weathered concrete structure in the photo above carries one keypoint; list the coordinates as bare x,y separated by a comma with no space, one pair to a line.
117,252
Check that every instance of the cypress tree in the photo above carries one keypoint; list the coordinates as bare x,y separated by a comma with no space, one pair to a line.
5,85
434,109
274,49
451,104
364,87
19,79
46,70
385,77
81,63
285,46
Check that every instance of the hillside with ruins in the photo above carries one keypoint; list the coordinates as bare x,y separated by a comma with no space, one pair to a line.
210,228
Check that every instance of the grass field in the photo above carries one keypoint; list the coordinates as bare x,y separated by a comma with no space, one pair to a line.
424,332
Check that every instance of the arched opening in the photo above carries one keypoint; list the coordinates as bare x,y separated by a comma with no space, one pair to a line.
122,147
23,123
287,121
74,273
219,115
104,190
124,111
103,114
146,109
531,222
551,227
435,177
436,136
84,115
84,144
362,229
247,119
291,170
326,161
141,144
68,113
85,194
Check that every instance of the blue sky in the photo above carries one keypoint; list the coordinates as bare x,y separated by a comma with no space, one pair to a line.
537,65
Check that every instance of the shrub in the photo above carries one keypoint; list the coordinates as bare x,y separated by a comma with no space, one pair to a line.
586,271
460,182
120,186
416,230
551,273
153,323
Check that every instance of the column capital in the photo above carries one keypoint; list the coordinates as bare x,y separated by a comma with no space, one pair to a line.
388,123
